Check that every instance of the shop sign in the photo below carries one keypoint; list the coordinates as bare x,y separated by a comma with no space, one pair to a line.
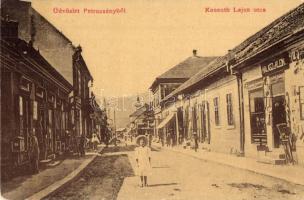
274,65
297,54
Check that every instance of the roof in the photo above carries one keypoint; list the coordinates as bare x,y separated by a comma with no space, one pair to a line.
25,53
185,69
138,112
287,25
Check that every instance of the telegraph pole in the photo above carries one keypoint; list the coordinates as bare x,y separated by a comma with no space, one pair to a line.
115,128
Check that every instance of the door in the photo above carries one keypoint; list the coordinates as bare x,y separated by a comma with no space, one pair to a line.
50,134
257,117
278,116
24,119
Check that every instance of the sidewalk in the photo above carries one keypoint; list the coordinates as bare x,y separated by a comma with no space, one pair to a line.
290,173
48,180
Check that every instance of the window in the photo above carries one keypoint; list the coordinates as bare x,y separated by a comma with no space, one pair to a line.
20,106
35,110
229,109
25,84
216,111
79,82
194,118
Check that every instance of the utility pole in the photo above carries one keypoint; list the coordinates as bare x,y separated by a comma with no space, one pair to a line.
115,128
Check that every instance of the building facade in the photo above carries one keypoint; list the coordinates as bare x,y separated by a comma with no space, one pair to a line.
166,122
54,100
34,98
207,105
245,101
272,86
59,51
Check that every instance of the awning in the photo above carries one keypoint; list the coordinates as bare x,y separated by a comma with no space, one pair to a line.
166,120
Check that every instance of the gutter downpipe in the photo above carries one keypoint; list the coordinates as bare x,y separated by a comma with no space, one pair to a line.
239,78
241,112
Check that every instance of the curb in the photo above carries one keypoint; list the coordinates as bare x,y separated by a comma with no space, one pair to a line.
54,187
239,167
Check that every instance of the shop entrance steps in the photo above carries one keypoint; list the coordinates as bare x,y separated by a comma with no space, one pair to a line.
275,157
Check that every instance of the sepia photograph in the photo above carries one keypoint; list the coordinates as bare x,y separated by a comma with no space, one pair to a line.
152,100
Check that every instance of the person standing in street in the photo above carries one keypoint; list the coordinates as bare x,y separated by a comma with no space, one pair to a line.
143,160
94,141
34,152
195,141
82,142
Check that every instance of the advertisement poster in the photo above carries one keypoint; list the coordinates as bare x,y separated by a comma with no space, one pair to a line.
142,99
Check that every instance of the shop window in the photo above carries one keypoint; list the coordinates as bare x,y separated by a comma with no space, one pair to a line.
229,109
216,111
278,89
24,118
20,106
50,129
257,117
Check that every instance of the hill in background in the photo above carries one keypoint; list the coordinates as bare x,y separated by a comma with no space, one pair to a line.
124,106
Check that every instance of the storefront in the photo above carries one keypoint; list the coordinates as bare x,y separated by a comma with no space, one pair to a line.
272,97
35,95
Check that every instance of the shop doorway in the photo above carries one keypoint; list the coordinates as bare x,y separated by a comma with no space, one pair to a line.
205,120
278,117
257,117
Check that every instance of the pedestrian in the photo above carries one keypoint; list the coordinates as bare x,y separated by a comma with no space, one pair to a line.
143,160
125,134
81,147
195,141
95,141
34,152
168,139
162,137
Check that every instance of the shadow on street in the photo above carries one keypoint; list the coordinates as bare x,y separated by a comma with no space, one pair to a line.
102,179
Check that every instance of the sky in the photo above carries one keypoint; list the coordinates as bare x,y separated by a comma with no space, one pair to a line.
125,52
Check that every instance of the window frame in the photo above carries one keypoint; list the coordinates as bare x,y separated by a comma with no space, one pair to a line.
229,109
216,102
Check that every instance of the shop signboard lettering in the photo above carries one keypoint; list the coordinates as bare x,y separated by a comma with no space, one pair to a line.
274,65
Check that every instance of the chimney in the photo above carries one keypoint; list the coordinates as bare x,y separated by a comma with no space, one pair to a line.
194,52
9,29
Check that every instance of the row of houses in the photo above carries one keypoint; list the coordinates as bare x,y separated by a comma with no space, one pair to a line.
237,103
141,120
45,88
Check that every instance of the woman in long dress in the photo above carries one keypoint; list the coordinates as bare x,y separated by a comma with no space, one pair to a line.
95,141
143,160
